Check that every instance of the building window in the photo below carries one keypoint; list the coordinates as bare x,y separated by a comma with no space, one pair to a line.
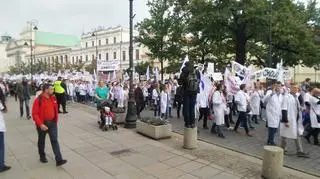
92,57
81,58
86,44
124,55
61,60
100,56
137,54
99,42
87,58
107,56
114,55
114,39
107,41
66,58
92,43
72,60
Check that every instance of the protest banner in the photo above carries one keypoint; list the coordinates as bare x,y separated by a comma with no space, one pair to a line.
239,69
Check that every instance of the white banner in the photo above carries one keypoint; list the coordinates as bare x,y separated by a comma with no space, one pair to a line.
210,69
217,77
272,73
108,65
239,69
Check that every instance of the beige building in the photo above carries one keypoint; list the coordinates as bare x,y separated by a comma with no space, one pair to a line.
300,73
111,44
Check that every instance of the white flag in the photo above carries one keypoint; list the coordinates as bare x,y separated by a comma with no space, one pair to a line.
148,73
184,63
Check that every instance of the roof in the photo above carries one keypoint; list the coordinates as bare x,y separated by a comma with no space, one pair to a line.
54,39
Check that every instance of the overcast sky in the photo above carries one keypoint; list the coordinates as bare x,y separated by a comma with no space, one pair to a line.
67,16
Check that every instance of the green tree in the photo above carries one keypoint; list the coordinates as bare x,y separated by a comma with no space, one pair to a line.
159,32
141,68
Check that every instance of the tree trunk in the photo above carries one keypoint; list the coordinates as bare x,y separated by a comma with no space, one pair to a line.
241,42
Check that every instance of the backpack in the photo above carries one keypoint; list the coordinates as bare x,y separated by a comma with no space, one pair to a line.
192,82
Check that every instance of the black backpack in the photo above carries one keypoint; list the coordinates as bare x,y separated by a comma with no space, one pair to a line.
192,82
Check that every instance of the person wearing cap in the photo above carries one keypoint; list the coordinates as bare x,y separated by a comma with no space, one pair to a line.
45,116
23,93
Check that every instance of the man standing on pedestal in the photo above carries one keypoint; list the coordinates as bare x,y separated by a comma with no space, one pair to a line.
189,79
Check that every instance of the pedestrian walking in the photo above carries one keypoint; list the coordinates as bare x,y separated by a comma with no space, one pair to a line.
23,93
273,101
45,116
291,123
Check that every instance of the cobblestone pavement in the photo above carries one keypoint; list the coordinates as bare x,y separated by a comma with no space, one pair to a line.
253,146
121,154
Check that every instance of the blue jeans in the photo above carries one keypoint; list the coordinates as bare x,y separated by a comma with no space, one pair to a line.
53,134
189,103
271,133
1,149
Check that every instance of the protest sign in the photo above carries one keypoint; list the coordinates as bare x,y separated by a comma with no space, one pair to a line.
239,69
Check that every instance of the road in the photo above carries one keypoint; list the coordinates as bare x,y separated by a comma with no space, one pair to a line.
253,146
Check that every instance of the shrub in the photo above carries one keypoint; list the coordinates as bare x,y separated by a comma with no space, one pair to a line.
154,121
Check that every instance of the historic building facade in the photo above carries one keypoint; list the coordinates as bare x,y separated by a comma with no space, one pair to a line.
110,44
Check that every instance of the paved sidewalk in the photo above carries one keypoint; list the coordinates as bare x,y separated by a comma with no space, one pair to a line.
121,154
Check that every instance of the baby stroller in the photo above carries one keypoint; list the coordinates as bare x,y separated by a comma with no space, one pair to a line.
107,117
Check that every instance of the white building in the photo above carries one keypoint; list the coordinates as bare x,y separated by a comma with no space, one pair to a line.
4,62
111,44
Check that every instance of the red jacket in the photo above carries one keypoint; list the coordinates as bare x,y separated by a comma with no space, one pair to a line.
39,108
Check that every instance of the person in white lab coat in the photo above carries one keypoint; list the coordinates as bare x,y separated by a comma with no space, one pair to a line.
219,107
203,106
164,101
314,101
273,100
242,101
291,122
255,104
156,99
71,90
3,109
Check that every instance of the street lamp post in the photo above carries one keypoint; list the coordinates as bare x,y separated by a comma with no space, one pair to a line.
95,34
130,121
33,27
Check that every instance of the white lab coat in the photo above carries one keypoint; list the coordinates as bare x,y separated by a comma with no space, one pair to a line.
155,96
71,89
314,111
241,99
164,102
255,103
291,104
219,105
273,108
83,89
202,100
121,98
2,123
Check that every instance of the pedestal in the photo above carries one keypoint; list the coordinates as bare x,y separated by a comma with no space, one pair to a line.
272,162
190,138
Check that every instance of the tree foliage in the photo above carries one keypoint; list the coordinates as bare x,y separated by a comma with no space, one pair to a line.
225,30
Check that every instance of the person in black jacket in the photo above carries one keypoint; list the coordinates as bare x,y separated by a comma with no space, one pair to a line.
189,79
179,99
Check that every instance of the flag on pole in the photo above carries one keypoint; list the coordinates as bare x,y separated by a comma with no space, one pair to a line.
156,74
114,75
148,73
95,75
186,59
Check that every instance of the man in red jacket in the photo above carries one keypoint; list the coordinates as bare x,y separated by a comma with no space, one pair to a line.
45,116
